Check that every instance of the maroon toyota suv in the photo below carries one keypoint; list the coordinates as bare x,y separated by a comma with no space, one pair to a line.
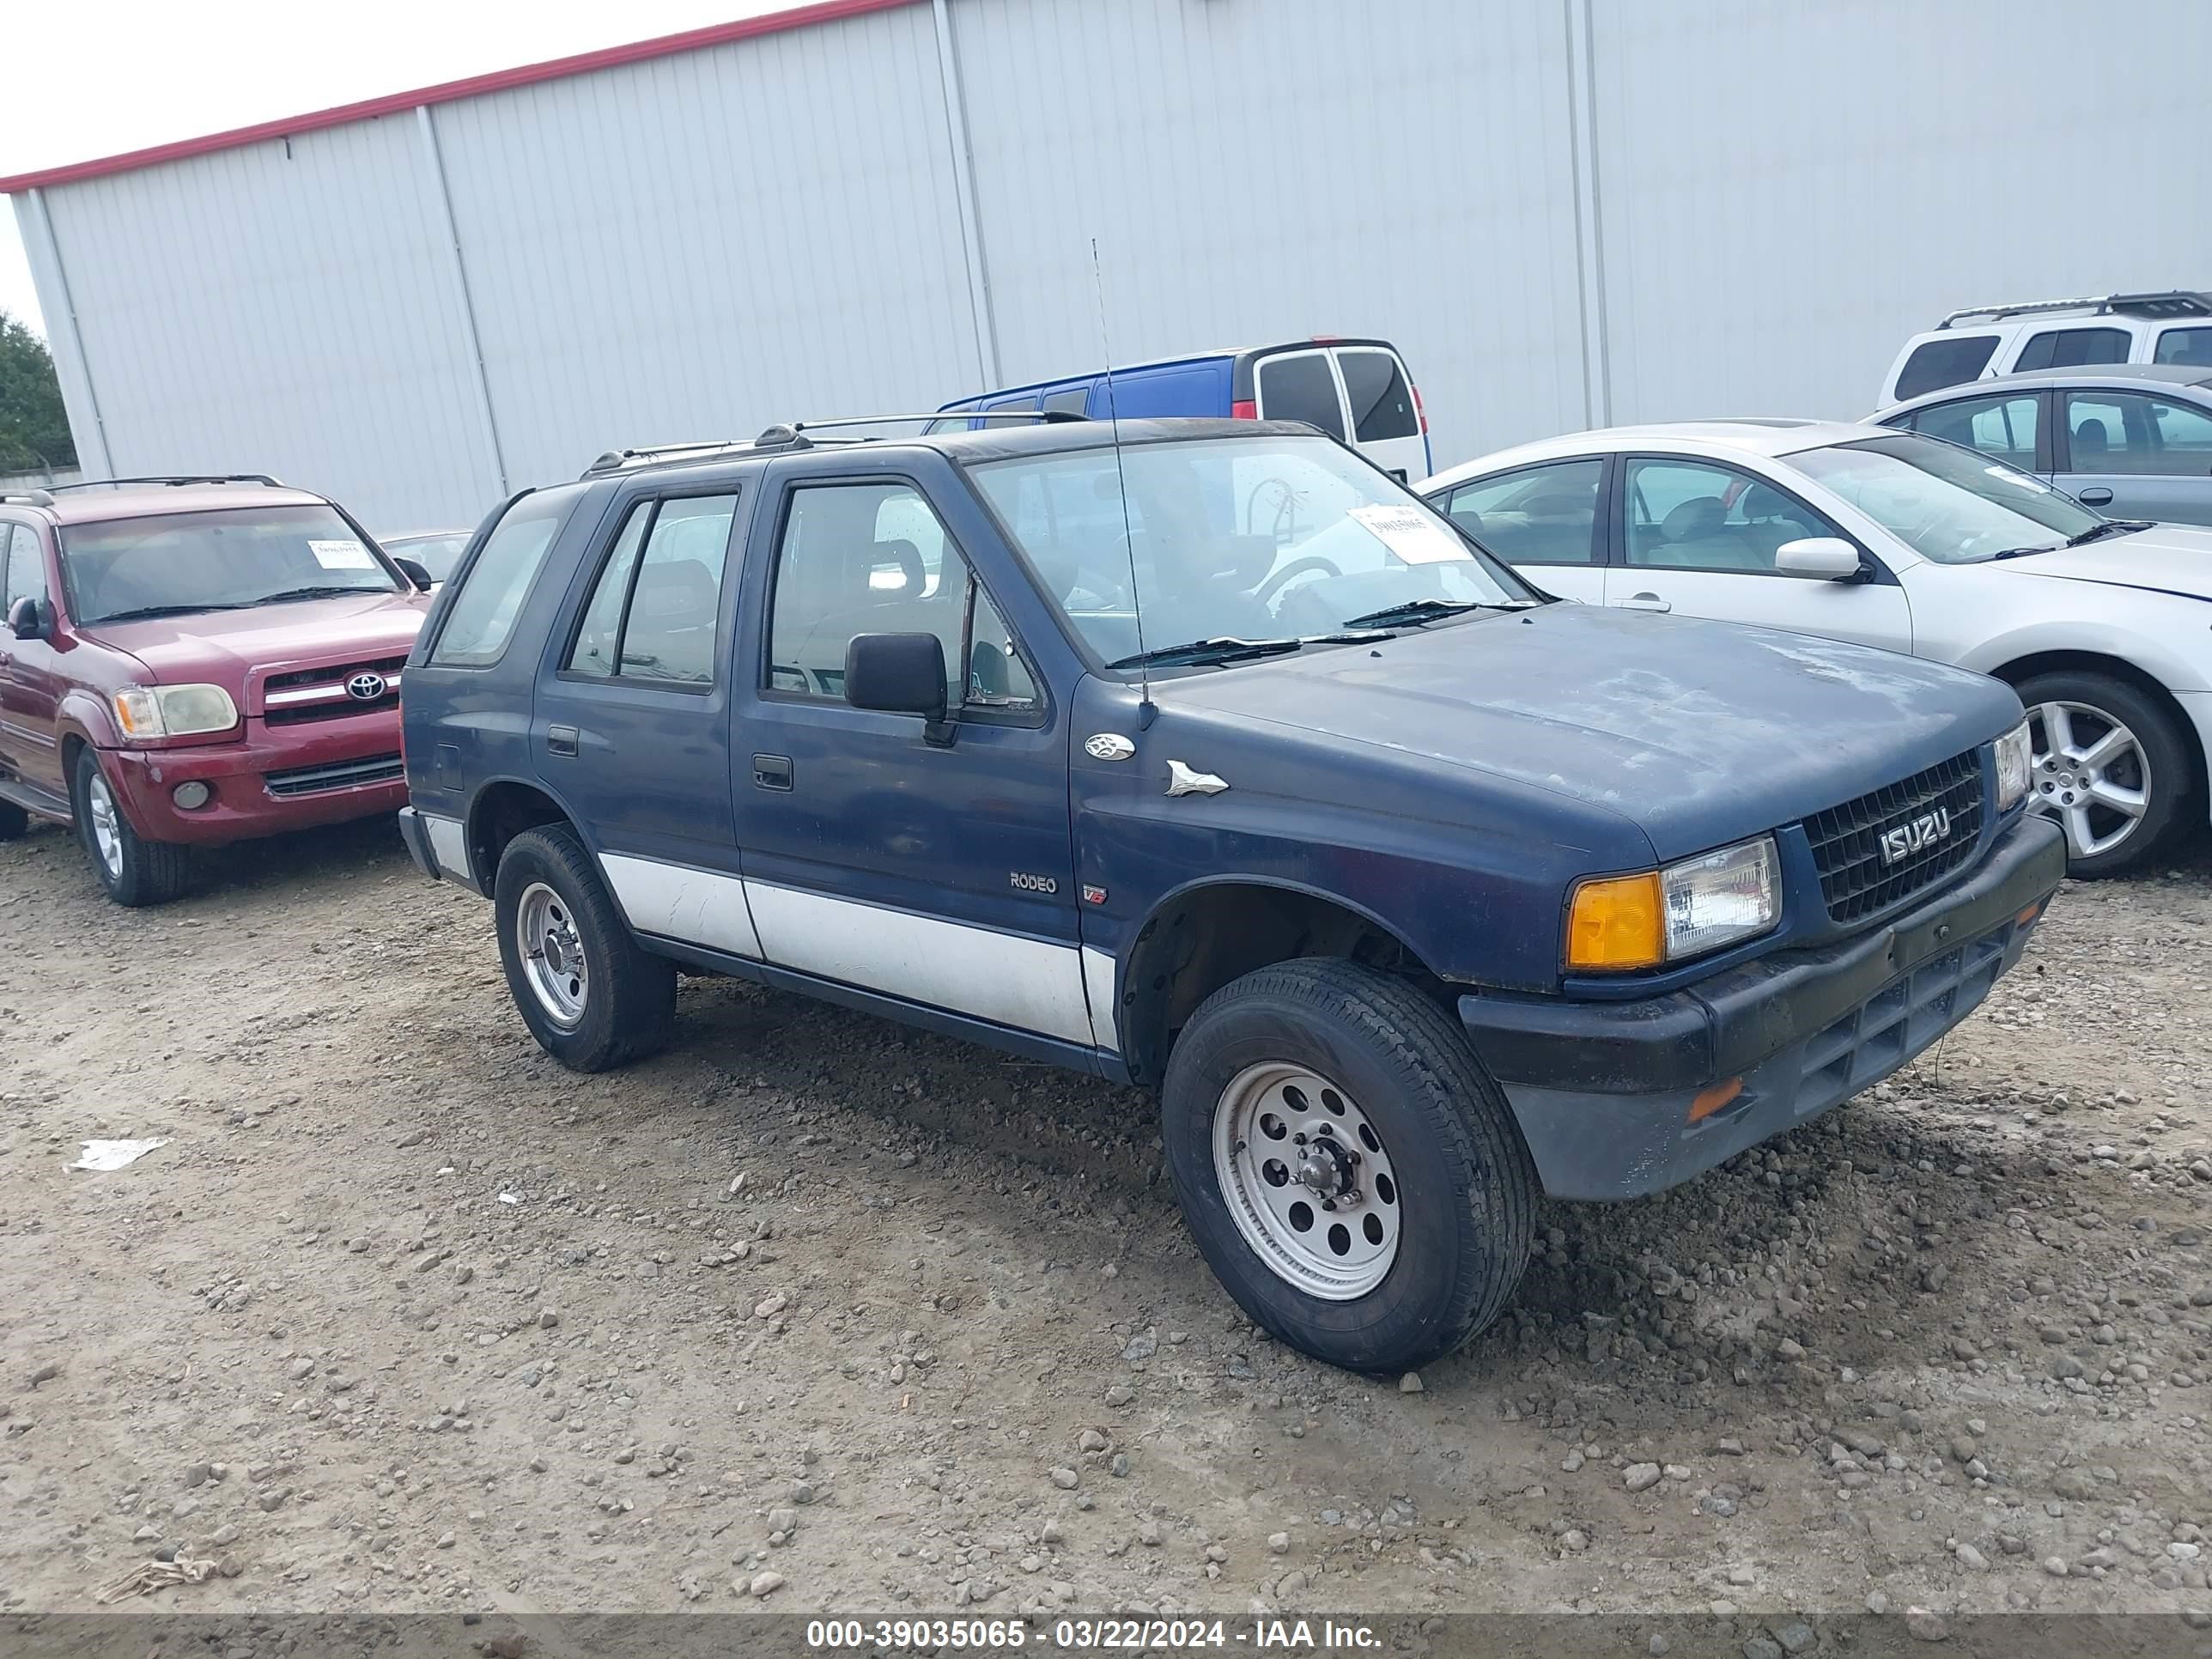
193,661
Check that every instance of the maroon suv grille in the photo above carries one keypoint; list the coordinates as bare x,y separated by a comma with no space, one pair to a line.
304,696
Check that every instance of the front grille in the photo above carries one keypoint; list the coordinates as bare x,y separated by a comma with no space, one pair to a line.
1856,879
302,695
346,775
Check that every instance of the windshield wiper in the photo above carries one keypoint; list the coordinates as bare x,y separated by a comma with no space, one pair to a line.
1413,612
1206,651
326,592
2097,532
146,612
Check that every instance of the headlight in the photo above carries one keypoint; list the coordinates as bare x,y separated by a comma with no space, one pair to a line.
1618,922
2015,755
173,711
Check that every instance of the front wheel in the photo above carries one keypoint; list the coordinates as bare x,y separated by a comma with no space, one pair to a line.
2108,764
1351,1174
589,996
133,870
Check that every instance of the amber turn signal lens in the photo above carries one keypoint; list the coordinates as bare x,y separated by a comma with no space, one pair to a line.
1616,922
2027,915
1711,1100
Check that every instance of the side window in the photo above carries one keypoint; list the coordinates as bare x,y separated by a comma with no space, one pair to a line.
2125,432
1689,515
1536,515
1068,400
2001,427
1947,361
2191,347
1301,387
839,542
476,629
1381,403
597,640
2066,348
26,566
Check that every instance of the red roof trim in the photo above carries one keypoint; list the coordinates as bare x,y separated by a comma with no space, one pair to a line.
582,63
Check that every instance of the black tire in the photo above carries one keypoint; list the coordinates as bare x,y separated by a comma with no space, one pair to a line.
1467,1188
2173,773
144,872
628,999
15,822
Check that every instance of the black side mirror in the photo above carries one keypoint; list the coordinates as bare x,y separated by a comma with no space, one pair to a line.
31,619
414,570
899,674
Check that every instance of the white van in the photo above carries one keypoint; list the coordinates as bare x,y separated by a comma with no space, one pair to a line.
1985,341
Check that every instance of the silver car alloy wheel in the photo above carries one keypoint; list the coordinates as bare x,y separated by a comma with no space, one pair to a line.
1307,1180
2089,772
107,826
552,955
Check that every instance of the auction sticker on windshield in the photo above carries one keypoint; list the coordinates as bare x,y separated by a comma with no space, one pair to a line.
1408,533
342,555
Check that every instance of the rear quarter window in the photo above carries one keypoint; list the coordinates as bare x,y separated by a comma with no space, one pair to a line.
483,613
1942,362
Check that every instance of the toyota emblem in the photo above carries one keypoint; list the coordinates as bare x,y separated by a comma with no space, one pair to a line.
366,688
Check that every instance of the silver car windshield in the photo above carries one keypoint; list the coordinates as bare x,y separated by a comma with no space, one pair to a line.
1277,537
1952,505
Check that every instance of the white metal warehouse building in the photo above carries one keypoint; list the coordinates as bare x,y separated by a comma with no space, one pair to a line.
1565,212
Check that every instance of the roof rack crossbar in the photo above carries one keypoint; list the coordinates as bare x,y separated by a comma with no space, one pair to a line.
174,478
2170,302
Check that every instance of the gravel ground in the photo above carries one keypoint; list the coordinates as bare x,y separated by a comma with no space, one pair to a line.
816,1313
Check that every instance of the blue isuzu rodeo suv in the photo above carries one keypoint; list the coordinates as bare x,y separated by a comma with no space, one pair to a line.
1212,760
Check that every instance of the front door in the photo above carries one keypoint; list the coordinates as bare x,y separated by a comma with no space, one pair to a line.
1699,538
940,873
2130,455
30,687
631,723
1543,521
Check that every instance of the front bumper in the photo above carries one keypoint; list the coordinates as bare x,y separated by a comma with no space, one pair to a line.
263,784
1603,1090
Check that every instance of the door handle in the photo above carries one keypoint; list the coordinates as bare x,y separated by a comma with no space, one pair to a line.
2095,495
771,772
561,740
1642,602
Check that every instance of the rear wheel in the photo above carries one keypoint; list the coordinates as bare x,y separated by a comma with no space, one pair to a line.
2108,764
589,996
133,870
1351,1174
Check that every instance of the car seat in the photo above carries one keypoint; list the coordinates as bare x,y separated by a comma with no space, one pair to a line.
2092,443
1697,536
1770,518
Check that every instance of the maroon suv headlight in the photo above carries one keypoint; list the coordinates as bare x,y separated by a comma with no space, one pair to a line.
173,711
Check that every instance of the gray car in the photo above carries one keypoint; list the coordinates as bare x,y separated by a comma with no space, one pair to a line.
2133,441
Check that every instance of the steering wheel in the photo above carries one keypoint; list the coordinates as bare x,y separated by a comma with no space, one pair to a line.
1275,584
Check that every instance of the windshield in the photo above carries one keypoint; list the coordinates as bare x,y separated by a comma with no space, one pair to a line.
1266,538
177,563
1952,505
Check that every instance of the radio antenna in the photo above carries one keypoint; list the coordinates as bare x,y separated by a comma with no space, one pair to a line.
1145,709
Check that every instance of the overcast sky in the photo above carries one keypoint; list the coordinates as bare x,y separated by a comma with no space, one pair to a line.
96,78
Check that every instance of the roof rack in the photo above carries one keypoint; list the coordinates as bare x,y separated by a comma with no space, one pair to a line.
27,497
792,434
175,479
2173,302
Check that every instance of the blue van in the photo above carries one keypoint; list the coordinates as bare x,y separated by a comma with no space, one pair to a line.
1356,390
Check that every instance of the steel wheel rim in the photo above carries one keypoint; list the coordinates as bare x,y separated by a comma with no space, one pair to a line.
107,827
1275,1172
2088,770
553,958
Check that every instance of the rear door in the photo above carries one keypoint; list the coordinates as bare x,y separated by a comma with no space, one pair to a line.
2133,455
2071,347
631,724
1387,423
1546,522
1698,537
1302,386
938,874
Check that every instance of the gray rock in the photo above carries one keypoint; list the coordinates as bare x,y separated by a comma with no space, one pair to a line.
1762,1647
1279,1542
1796,1636
1925,1625
2055,1565
1120,1395
764,1584
1065,1479
1641,1477
1143,1345
1409,1382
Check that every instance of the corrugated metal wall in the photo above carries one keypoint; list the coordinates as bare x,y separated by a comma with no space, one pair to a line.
1563,209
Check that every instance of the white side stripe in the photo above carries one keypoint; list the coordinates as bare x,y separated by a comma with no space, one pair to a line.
678,901
449,844
1099,985
1026,983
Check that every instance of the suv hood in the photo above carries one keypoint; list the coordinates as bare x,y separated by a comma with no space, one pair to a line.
1700,733
2167,558
221,647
